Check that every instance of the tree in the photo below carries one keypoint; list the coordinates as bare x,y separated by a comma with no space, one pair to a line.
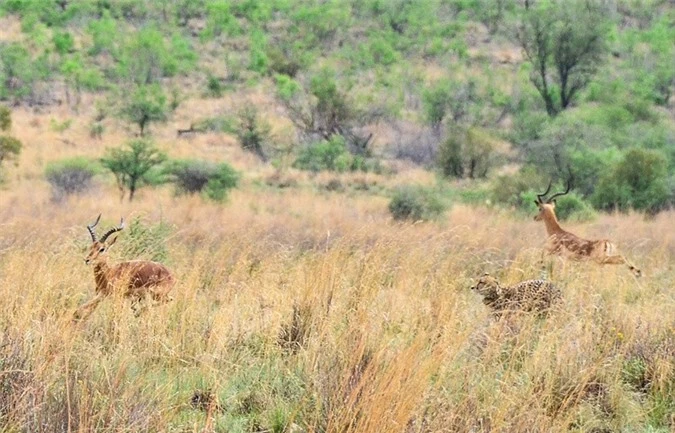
467,152
638,181
565,43
323,110
132,165
144,105
17,72
252,132
10,147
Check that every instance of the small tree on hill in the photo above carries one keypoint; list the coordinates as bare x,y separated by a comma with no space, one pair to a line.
131,165
322,110
10,147
146,104
565,43
252,132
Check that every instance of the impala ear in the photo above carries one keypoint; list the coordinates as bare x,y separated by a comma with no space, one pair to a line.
537,202
112,241
553,202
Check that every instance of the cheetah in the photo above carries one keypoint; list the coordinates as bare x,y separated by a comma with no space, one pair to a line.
529,295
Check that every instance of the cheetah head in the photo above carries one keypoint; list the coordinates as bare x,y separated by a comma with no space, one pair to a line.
488,286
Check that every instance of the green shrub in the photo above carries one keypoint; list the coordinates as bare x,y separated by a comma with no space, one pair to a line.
195,176
5,118
252,132
214,88
146,241
216,124
436,100
469,153
572,207
104,33
258,60
415,204
325,155
63,42
96,130
518,190
190,176
589,166
16,67
638,181
282,62
219,20
10,147
223,180
70,176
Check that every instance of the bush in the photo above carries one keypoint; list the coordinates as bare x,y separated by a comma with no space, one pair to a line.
572,207
63,42
415,204
10,147
146,241
214,86
638,181
518,190
326,155
195,176
223,180
469,153
252,132
70,176
190,176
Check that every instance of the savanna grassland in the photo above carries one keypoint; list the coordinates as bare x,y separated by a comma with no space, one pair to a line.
306,311
327,180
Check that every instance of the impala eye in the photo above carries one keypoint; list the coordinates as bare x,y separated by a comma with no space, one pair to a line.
101,250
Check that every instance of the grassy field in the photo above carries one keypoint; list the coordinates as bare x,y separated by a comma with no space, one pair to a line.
300,304
298,311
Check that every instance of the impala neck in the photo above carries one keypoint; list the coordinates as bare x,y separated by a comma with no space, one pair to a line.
101,270
552,225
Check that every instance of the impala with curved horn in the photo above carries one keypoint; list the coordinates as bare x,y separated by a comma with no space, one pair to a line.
561,242
137,279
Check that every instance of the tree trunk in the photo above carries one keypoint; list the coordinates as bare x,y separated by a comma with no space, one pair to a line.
132,189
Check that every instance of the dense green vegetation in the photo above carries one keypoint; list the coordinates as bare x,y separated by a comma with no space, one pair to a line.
556,87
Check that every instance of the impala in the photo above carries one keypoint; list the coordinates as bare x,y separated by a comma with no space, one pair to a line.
561,242
136,279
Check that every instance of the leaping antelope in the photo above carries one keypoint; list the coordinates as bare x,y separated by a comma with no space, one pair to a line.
561,242
139,279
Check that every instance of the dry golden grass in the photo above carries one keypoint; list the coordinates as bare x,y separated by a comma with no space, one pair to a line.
315,312
302,309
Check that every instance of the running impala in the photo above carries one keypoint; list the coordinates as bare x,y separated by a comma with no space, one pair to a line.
562,242
135,279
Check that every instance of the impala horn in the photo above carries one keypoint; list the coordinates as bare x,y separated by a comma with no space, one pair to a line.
113,230
91,228
540,197
558,194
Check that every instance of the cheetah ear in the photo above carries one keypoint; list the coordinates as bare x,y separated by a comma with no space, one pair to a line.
487,274
499,290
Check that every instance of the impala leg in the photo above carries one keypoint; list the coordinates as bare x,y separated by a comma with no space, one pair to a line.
620,260
88,307
546,263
